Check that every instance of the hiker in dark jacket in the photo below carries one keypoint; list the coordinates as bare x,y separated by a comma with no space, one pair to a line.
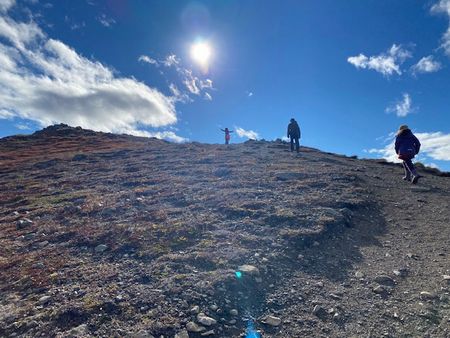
407,146
293,132
227,135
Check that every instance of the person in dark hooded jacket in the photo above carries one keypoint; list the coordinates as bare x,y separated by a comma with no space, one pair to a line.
407,146
293,132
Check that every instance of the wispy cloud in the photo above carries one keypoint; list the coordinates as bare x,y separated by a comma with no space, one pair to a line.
402,107
193,84
443,6
426,65
106,21
147,59
435,146
46,81
250,134
386,63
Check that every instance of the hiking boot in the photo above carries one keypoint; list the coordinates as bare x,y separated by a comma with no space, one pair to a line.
415,179
406,178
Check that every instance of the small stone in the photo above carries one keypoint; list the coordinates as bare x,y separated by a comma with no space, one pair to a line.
359,274
193,327
271,320
182,334
379,289
319,311
44,300
233,321
446,277
205,320
234,312
23,223
425,295
249,269
101,248
207,333
119,298
384,280
43,244
79,331
195,310
335,296
214,307
315,243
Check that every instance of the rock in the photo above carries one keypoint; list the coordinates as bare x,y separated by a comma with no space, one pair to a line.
205,320
193,327
319,311
234,312
446,277
249,269
402,272
214,307
232,322
23,223
425,295
271,320
182,334
359,274
208,333
379,289
195,310
79,331
384,280
335,296
44,300
42,244
140,334
101,248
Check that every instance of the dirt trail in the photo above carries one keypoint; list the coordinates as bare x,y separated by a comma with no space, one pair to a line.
116,236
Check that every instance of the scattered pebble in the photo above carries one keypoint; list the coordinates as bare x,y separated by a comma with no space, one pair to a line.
101,248
271,320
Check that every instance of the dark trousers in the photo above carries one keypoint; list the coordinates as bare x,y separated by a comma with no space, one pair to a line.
297,144
409,168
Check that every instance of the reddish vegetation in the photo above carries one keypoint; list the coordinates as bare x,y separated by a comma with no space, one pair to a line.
108,235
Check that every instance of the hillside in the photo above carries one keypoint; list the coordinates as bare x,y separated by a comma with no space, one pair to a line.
116,236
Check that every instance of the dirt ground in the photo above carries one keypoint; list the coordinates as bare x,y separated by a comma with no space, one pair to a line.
114,236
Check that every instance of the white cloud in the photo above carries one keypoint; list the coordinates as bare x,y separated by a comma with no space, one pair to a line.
21,126
250,94
386,63
147,59
106,21
427,65
6,115
5,5
443,6
171,60
46,81
168,135
250,134
401,108
435,145
208,97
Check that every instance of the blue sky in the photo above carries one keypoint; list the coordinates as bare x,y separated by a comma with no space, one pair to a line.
349,71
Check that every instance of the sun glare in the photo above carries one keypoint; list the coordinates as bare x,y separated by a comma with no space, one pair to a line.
201,53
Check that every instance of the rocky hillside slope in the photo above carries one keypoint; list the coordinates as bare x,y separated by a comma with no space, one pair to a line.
116,236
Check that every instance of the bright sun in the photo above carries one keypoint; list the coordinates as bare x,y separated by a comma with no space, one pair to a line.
201,53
